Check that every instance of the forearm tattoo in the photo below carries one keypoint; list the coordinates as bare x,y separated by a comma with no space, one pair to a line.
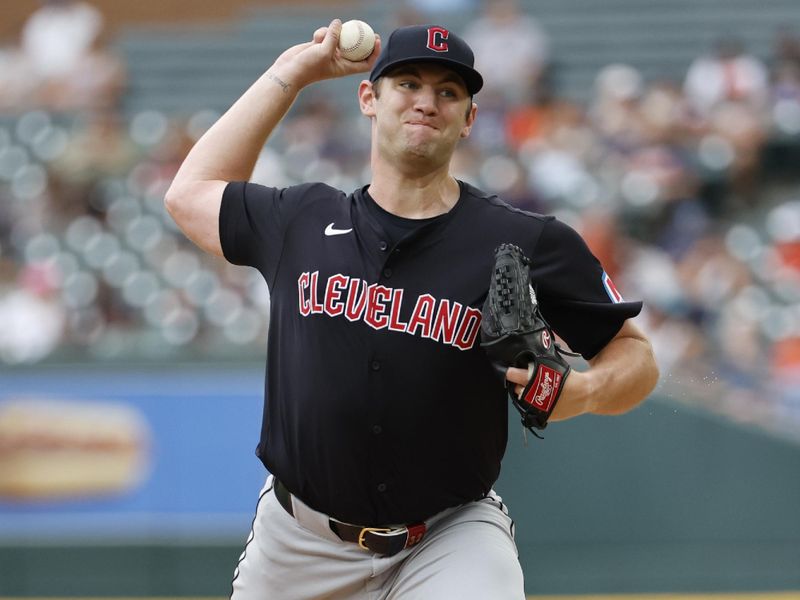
279,81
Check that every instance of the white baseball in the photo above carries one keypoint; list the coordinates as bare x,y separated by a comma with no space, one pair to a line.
356,41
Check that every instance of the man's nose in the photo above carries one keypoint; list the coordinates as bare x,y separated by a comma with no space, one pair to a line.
425,100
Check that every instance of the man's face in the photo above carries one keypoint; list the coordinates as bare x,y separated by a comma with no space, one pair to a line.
421,111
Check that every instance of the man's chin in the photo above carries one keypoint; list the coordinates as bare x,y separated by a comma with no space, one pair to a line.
424,147
420,151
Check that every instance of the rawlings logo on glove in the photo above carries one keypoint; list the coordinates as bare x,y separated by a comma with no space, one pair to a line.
514,334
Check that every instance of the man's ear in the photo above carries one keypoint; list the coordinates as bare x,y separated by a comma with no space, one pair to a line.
473,111
366,98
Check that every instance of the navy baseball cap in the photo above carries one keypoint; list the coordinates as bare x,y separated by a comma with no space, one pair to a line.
428,43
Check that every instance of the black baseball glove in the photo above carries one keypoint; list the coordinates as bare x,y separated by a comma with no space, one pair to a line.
514,334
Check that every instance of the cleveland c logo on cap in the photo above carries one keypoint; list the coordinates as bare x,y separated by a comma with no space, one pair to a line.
437,39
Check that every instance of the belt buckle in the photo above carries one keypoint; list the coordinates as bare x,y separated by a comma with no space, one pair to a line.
362,534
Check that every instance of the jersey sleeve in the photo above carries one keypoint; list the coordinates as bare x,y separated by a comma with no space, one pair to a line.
253,220
577,297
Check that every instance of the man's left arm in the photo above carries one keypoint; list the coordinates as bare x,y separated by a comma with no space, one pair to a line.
619,377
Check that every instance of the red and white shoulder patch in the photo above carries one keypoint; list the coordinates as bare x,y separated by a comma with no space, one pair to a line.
611,289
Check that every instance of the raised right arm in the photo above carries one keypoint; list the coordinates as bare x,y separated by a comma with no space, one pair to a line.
229,149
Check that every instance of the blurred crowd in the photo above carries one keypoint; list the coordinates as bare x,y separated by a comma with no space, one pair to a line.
686,190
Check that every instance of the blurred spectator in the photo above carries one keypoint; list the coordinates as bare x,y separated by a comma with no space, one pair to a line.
17,86
665,113
614,111
787,47
98,149
59,35
785,89
741,128
710,278
65,61
651,274
729,74
489,132
540,120
786,360
558,159
730,91
32,316
511,50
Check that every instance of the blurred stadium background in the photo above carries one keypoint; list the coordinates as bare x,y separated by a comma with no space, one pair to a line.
666,131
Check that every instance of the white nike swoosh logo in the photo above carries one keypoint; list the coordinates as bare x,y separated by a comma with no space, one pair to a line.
330,230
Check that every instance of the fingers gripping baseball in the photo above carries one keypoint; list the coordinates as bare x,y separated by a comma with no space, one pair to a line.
321,59
319,35
331,39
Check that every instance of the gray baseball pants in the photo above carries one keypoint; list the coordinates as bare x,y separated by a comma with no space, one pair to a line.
468,553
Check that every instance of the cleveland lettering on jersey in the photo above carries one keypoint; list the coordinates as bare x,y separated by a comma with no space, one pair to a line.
445,321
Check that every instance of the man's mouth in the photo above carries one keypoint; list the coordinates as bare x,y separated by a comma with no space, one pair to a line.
420,123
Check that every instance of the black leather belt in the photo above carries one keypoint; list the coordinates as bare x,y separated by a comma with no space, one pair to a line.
385,541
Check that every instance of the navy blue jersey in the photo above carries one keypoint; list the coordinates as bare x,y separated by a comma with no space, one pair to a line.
380,407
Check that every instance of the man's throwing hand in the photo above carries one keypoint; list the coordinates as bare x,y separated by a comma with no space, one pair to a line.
321,59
